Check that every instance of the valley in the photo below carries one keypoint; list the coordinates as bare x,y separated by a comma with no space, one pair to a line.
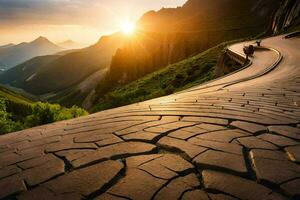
151,48
121,69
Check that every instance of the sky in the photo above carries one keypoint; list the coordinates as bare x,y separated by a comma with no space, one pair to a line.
83,21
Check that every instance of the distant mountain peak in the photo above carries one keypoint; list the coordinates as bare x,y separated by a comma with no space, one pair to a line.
41,39
17,54
67,42
70,44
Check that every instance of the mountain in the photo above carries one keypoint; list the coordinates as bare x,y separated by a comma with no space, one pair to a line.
287,17
194,70
173,78
16,54
162,38
19,75
13,98
7,45
74,67
70,44
47,76
172,34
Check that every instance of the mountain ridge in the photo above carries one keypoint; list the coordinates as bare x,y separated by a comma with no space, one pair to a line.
7,45
70,44
162,38
172,34
17,54
46,75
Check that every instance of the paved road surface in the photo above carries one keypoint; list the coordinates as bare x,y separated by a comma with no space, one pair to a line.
235,138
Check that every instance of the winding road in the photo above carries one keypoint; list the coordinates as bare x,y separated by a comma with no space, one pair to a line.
237,137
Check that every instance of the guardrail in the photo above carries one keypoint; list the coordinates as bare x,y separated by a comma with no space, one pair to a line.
292,35
264,72
237,56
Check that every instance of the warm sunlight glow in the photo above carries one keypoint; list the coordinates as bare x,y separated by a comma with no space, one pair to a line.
128,27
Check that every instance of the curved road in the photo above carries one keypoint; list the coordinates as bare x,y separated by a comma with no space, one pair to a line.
235,138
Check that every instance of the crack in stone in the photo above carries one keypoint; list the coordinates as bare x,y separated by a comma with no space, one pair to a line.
286,136
174,150
111,183
152,174
68,166
157,125
180,174
95,129
124,197
272,186
118,157
144,122
184,156
249,164
214,191
164,134
233,139
221,169
237,110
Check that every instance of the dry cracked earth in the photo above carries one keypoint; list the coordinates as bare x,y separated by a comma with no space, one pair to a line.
234,138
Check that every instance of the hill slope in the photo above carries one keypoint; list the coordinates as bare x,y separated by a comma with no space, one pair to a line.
17,112
70,44
52,74
7,45
173,78
13,97
19,75
16,54
287,17
164,37
170,35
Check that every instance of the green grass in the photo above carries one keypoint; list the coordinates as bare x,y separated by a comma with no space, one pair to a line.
5,93
18,113
173,78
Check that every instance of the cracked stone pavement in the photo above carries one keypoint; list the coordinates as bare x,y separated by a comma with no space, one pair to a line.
234,138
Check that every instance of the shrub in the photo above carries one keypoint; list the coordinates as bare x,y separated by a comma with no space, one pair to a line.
169,90
6,122
39,114
44,113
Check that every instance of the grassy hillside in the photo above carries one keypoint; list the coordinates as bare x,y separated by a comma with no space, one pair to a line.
17,112
14,99
172,34
173,78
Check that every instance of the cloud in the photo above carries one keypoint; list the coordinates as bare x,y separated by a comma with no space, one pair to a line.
44,11
22,20
73,11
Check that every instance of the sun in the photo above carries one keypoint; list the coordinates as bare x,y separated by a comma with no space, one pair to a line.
128,27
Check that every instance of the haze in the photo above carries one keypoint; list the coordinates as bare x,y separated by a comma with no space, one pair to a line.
81,20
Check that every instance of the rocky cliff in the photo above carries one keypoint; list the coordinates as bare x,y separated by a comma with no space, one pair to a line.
287,16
